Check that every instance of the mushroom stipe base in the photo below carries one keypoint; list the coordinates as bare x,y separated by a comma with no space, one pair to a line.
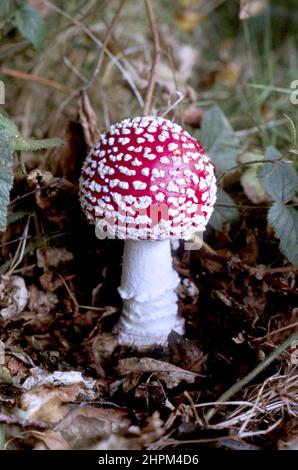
148,284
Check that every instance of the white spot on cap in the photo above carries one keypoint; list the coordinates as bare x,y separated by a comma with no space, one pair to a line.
124,140
145,171
126,171
123,185
159,149
140,140
92,185
129,199
164,160
160,197
150,156
162,137
172,146
136,162
188,172
139,185
127,157
111,140
172,187
158,173
149,137
195,178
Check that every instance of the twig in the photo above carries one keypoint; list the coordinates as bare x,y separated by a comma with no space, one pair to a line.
157,52
249,206
261,127
173,105
34,78
71,294
34,191
284,269
104,45
172,65
99,44
253,162
20,252
256,371
74,70
279,330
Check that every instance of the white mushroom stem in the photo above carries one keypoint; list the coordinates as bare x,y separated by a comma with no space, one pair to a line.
147,288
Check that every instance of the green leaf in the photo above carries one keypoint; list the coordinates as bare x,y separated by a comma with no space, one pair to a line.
5,9
272,153
285,223
6,177
31,25
31,145
9,126
218,138
279,180
17,142
223,214
16,216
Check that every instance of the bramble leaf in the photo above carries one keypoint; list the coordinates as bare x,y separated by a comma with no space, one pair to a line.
31,25
223,214
284,220
279,179
6,177
218,139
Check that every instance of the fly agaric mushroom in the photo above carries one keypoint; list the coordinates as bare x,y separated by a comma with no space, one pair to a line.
147,181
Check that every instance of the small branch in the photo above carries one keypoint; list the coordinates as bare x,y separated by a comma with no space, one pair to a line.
247,206
104,45
173,105
240,165
279,330
255,130
157,53
256,371
92,36
35,78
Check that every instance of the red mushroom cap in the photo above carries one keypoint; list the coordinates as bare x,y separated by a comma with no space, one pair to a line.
147,178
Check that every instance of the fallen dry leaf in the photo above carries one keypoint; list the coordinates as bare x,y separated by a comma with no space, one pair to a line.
13,296
42,377
44,404
52,257
41,302
49,440
166,372
185,353
86,426
102,347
